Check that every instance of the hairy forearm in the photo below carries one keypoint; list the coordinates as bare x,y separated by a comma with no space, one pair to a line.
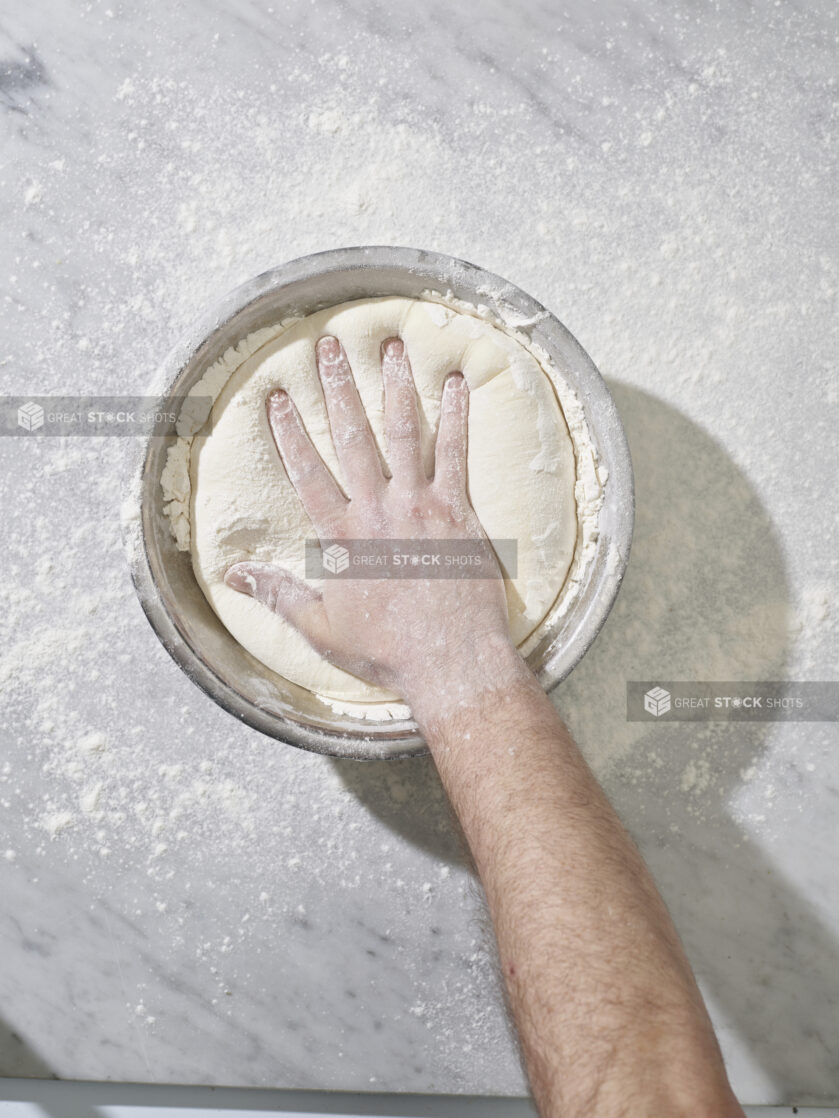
610,1018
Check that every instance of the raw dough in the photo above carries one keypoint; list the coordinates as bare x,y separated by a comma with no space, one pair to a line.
521,465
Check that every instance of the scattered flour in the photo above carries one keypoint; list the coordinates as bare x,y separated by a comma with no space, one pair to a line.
684,267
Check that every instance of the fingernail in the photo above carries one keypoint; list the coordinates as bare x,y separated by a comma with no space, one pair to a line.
455,381
279,402
393,347
328,349
239,578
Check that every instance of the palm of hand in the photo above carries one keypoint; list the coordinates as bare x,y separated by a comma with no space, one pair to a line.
394,631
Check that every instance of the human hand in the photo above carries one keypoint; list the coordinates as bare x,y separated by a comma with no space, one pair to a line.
576,913
413,636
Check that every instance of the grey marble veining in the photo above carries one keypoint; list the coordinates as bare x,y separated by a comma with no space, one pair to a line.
185,901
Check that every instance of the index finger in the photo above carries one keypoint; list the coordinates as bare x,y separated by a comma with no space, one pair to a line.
316,487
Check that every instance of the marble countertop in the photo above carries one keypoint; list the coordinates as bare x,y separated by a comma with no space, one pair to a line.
185,901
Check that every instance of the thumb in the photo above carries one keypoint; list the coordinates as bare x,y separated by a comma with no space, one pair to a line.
284,594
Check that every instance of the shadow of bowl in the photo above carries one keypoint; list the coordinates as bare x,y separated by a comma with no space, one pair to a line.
705,597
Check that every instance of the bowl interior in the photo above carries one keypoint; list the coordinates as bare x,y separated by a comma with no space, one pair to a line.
168,590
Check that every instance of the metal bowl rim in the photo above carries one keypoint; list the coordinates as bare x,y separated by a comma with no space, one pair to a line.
502,294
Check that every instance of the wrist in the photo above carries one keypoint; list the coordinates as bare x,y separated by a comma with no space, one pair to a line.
464,679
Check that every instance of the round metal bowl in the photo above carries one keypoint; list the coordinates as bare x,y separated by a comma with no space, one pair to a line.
173,602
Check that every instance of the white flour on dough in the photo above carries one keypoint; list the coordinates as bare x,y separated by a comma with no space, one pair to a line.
229,499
